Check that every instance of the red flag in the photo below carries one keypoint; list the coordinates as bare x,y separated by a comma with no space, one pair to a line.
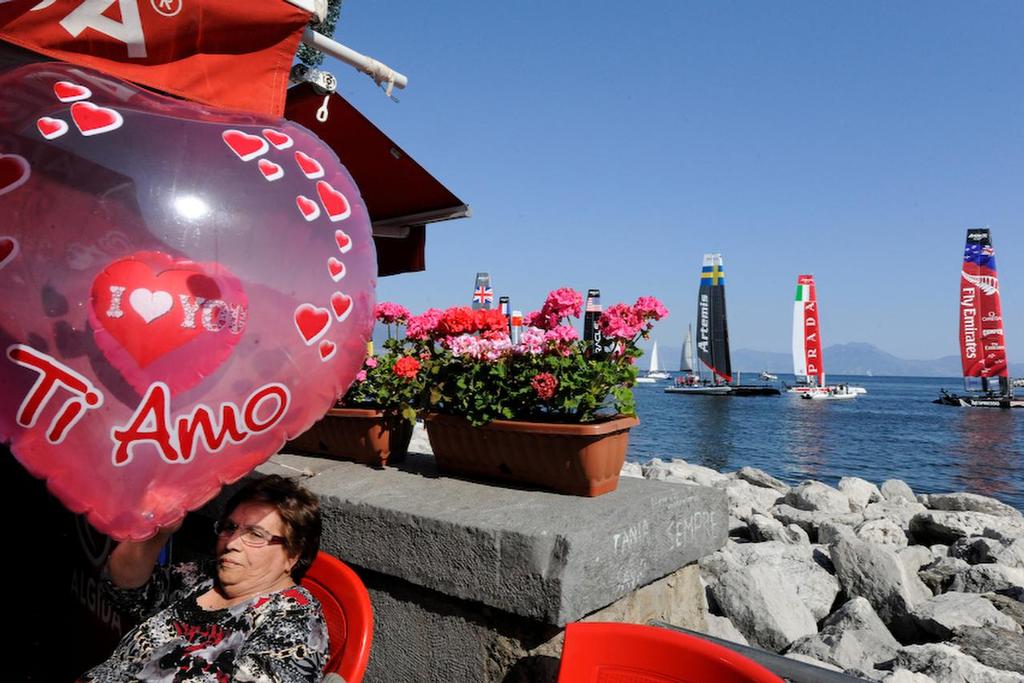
220,52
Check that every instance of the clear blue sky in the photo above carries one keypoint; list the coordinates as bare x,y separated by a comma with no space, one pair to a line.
611,144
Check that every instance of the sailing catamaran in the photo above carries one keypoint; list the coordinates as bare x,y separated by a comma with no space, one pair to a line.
982,341
713,341
808,365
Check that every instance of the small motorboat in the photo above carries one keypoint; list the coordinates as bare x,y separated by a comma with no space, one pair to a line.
768,377
831,393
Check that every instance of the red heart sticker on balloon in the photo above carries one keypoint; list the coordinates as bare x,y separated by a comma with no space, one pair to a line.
150,305
66,91
51,128
164,358
8,250
309,166
343,241
312,322
309,209
335,268
334,202
342,305
14,172
277,138
246,146
270,170
93,120
327,349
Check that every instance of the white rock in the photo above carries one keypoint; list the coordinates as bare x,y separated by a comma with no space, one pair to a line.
829,531
681,471
946,527
721,627
765,609
942,615
914,557
763,528
983,550
810,521
746,500
859,491
883,531
814,496
985,578
851,638
876,573
939,574
804,568
894,489
972,502
946,664
631,469
898,510
757,477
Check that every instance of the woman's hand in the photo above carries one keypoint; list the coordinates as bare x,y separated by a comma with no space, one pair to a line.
131,563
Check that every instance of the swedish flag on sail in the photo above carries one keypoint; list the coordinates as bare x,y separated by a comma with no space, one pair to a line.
713,275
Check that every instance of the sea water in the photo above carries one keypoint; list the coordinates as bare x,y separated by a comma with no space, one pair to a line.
892,432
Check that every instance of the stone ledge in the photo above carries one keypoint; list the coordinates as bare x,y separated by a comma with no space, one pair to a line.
539,555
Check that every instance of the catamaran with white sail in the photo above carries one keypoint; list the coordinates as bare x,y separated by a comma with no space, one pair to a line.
713,341
808,364
982,340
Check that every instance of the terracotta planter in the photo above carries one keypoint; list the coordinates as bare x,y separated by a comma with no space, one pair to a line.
579,459
366,436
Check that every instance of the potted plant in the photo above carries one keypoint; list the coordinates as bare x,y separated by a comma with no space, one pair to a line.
545,408
373,422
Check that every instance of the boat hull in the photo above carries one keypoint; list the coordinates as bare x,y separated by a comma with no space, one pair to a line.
968,401
725,390
828,396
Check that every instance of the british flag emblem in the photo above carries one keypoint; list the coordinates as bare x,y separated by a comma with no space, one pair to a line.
483,295
987,250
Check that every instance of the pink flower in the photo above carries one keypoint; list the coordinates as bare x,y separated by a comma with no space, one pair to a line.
371,362
407,367
649,308
562,338
422,326
531,342
620,322
361,376
563,303
544,383
388,313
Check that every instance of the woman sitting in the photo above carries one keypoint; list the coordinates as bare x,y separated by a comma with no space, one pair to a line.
242,618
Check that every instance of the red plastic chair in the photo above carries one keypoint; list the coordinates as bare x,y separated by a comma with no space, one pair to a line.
348,613
632,653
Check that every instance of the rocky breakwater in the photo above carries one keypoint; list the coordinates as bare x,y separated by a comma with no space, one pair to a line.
872,580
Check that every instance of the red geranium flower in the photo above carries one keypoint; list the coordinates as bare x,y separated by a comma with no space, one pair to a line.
407,367
457,320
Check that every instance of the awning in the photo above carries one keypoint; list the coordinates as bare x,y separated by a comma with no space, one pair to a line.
400,195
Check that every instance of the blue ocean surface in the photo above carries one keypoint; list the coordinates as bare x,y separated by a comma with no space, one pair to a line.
892,432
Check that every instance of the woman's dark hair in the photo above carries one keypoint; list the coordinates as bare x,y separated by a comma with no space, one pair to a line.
297,507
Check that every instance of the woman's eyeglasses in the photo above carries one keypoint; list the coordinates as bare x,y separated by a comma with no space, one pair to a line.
252,536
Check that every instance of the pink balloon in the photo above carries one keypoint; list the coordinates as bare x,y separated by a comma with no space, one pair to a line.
183,289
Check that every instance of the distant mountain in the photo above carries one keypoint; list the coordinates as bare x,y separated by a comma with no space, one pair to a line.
856,358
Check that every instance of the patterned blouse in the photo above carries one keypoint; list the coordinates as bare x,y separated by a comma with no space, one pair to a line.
276,638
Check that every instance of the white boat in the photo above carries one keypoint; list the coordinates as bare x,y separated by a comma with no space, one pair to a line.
654,371
833,393
808,364
768,377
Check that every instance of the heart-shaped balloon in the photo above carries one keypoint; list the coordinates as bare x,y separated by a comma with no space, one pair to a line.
183,289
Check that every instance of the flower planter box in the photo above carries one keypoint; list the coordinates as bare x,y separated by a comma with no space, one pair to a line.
366,436
578,459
